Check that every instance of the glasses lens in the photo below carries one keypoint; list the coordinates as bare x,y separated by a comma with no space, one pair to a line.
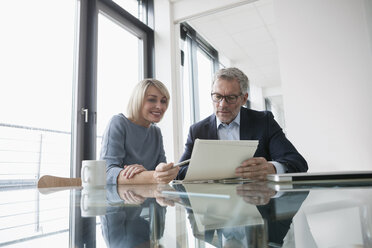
216,97
231,99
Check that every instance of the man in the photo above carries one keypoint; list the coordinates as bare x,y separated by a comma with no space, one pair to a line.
274,154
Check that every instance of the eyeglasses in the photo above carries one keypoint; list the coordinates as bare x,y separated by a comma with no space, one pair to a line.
229,98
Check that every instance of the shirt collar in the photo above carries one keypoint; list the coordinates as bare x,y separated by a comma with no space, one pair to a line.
236,121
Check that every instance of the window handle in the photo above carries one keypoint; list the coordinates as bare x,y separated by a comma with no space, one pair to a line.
84,112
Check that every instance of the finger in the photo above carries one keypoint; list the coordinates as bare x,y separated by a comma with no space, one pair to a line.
254,161
131,196
134,198
168,173
268,168
256,201
256,186
127,197
251,167
255,175
163,167
126,170
135,171
124,196
165,180
129,171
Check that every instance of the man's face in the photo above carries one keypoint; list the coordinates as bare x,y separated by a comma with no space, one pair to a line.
226,112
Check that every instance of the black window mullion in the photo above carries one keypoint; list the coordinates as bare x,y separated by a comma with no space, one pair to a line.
84,141
195,41
136,27
84,145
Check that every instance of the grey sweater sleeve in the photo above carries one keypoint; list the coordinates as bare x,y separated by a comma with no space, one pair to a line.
113,149
162,158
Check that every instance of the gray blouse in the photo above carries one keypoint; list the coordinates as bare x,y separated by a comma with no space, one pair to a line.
126,143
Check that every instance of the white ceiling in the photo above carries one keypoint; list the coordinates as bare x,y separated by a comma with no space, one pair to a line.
246,36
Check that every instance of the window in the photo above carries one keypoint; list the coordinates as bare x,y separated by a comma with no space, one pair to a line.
37,64
200,61
205,78
48,78
118,71
36,48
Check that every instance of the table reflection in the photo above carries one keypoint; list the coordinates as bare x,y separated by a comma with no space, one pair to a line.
239,215
331,214
135,216
333,218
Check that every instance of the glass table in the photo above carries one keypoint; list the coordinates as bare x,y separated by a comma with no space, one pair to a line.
255,214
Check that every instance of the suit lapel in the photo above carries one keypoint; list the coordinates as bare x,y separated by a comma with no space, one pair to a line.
211,127
244,125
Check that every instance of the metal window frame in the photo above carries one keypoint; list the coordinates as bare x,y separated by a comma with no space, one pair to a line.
85,94
83,147
194,41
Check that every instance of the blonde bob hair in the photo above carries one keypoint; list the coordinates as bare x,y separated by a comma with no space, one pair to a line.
135,103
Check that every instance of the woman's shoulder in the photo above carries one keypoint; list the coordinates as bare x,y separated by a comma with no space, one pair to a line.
119,118
119,121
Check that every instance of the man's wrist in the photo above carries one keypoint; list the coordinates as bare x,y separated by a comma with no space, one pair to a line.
279,167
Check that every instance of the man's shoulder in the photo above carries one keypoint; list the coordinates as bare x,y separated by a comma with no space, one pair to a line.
254,114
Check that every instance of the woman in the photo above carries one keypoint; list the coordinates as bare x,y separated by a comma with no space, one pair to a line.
133,146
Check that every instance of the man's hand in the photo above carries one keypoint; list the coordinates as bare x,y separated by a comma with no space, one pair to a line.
164,173
130,171
255,168
256,193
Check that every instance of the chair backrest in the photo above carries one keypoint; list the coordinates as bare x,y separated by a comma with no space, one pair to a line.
48,181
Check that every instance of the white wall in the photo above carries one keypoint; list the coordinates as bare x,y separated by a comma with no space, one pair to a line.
326,66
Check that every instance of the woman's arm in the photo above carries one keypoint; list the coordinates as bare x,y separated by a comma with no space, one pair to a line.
163,173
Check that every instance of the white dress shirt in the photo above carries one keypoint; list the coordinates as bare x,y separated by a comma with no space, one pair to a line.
232,132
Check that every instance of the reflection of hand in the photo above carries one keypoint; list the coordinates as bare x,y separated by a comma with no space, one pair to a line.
164,173
255,168
130,171
130,197
165,200
137,194
256,193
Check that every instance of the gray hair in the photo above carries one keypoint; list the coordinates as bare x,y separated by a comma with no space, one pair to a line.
230,74
135,103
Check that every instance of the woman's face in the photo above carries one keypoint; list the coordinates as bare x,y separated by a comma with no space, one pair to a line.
154,106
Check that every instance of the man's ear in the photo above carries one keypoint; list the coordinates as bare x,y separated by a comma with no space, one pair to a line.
245,98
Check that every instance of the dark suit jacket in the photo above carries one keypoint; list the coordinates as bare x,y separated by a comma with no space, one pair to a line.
254,125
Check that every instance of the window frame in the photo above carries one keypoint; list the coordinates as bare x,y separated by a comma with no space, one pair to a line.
84,135
194,41
85,93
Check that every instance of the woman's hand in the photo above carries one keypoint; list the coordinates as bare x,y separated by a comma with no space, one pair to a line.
130,171
130,197
164,173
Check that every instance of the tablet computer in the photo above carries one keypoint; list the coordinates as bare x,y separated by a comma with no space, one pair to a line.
321,176
217,159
